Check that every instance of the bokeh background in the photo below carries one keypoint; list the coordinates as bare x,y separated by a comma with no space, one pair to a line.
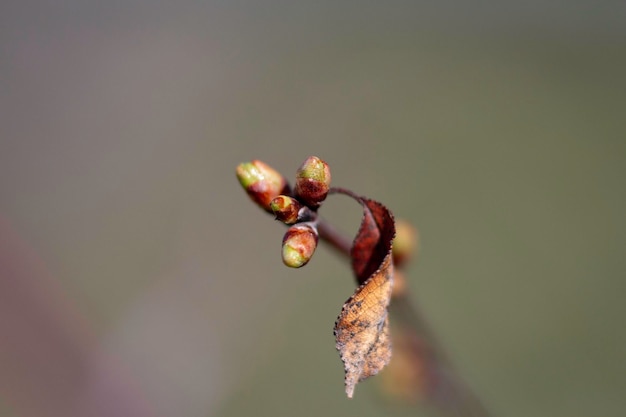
136,278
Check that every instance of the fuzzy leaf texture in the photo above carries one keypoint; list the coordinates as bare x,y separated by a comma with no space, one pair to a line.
362,328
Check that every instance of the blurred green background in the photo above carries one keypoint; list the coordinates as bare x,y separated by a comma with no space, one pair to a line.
144,283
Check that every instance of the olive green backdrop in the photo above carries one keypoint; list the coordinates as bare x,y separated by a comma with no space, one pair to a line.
499,130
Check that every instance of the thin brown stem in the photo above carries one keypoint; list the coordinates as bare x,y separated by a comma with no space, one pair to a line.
344,191
333,237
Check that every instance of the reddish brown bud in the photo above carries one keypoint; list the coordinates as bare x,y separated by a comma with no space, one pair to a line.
312,182
299,243
287,209
262,182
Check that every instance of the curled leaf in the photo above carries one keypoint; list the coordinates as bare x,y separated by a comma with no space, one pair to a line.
373,240
362,328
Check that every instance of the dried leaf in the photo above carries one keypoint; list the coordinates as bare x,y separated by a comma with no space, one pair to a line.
373,240
362,328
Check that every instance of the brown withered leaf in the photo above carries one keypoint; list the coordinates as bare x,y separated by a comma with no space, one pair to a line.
373,240
362,328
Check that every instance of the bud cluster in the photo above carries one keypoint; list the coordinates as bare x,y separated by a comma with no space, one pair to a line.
270,191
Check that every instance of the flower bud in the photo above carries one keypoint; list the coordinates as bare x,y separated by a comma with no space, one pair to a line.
299,243
312,182
400,284
262,182
405,243
287,209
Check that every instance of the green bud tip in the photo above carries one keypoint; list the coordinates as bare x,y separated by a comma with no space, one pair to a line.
299,245
312,181
314,168
286,209
261,182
